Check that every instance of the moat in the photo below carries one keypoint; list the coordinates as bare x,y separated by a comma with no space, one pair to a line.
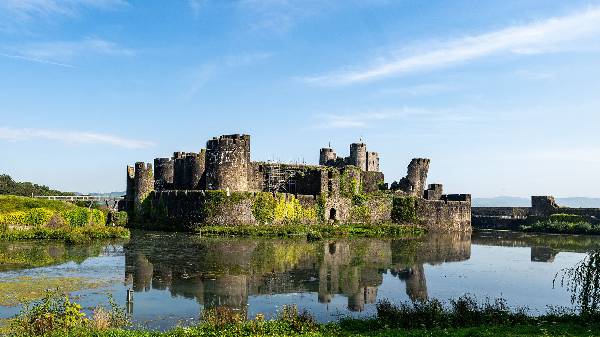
174,276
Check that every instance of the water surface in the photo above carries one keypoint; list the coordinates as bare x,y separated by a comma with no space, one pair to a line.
175,276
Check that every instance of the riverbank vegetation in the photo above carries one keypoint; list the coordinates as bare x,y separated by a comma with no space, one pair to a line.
23,218
59,316
314,231
563,224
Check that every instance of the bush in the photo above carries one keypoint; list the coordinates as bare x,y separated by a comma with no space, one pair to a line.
565,227
569,218
465,311
38,216
119,218
77,217
54,312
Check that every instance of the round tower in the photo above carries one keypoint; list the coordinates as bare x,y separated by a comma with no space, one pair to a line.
326,155
163,173
228,162
143,183
358,155
194,170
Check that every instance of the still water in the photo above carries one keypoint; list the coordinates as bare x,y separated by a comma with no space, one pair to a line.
175,276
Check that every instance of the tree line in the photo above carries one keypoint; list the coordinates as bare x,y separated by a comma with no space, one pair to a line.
9,186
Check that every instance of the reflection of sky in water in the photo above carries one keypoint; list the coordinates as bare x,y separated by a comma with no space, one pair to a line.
174,278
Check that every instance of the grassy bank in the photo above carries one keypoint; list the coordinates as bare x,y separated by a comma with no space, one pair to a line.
58,316
563,224
315,231
23,218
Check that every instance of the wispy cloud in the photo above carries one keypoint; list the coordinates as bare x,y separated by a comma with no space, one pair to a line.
202,74
550,35
71,137
61,53
15,14
29,9
376,118
196,6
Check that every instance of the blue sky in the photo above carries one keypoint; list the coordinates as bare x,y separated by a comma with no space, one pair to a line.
501,95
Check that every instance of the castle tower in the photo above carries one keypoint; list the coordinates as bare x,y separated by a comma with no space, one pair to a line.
358,155
194,170
228,163
372,162
143,183
414,182
325,155
163,173
179,174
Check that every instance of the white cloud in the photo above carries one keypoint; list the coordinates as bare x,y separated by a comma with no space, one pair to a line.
71,137
550,35
62,52
375,118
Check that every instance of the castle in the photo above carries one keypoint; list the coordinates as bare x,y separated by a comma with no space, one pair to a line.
180,189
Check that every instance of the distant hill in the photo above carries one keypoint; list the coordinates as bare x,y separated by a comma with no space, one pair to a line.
26,189
110,194
580,202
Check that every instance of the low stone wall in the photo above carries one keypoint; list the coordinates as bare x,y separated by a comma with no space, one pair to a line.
515,217
441,215
500,217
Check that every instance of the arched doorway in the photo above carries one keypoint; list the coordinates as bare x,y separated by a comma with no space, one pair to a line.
332,214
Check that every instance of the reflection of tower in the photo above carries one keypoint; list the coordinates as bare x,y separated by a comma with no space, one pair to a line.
543,254
141,273
226,290
416,284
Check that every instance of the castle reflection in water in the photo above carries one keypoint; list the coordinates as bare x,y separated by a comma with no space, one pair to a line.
225,272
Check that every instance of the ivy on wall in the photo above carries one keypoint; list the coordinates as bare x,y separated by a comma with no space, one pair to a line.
404,209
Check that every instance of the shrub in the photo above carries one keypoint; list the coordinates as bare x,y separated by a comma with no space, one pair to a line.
77,217
38,216
119,218
54,312
569,218
13,218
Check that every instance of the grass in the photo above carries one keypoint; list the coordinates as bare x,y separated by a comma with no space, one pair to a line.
12,203
56,315
315,231
15,291
67,234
